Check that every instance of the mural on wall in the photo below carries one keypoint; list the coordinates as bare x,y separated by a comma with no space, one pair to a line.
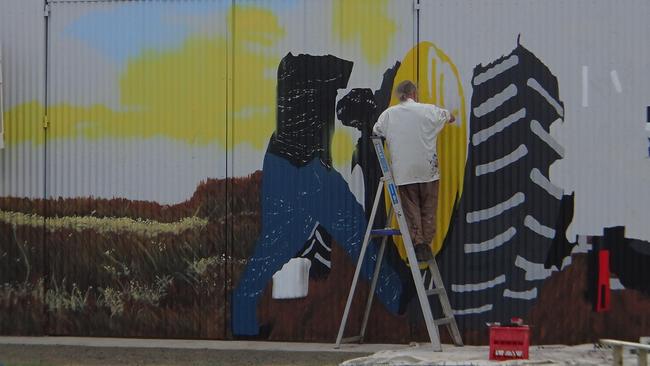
510,209
180,187
299,152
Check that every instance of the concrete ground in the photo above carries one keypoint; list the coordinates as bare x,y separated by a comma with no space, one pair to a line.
55,351
59,351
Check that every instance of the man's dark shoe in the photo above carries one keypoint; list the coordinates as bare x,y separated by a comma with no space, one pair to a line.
423,253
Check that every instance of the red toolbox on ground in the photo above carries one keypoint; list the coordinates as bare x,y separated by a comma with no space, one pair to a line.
509,343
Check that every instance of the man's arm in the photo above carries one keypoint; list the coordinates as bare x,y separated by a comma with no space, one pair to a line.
440,116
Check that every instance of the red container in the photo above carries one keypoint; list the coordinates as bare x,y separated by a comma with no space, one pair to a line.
509,343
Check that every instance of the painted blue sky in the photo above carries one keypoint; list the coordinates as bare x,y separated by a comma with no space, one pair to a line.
124,31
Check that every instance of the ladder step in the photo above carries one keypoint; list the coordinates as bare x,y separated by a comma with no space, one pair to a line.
351,339
436,291
385,232
443,321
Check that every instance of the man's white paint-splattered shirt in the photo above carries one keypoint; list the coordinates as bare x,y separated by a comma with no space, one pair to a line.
411,130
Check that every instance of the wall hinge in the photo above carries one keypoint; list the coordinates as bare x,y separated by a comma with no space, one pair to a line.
416,5
46,122
46,10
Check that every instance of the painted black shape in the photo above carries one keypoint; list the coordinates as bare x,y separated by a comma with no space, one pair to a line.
561,247
318,249
613,236
385,91
307,86
372,172
357,109
360,109
485,191
591,293
629,259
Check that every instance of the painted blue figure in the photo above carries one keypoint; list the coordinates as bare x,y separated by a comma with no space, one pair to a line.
300,188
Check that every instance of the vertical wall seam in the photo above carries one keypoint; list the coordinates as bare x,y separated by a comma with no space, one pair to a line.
46,257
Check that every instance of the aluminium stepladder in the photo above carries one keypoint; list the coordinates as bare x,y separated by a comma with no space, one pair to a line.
436,286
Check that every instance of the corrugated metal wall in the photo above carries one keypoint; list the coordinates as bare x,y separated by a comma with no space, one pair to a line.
23,43
148,114
195,147
22,163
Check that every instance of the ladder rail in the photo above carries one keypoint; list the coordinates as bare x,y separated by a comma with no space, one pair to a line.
357,271
375,277
373,286
436,278
432,329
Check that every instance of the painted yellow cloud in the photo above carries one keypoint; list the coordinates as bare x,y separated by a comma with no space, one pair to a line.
187,93
367,22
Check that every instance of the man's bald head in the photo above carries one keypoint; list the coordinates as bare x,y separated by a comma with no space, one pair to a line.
405,90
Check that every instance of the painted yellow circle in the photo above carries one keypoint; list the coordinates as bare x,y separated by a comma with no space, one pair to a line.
439,83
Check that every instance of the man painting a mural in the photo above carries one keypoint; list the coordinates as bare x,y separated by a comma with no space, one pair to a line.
174,169
411,130
300,186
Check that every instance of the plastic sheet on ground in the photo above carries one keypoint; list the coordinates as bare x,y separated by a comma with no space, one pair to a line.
583,355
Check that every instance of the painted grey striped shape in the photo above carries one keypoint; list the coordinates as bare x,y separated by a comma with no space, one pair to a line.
470,311
536,86
495,101
471,287
546,137
486,133
490,244
313,230
521,295
534,271
324,261
502,162
309,248
496,70
490,212
538,178
534,225
322,242
319,240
